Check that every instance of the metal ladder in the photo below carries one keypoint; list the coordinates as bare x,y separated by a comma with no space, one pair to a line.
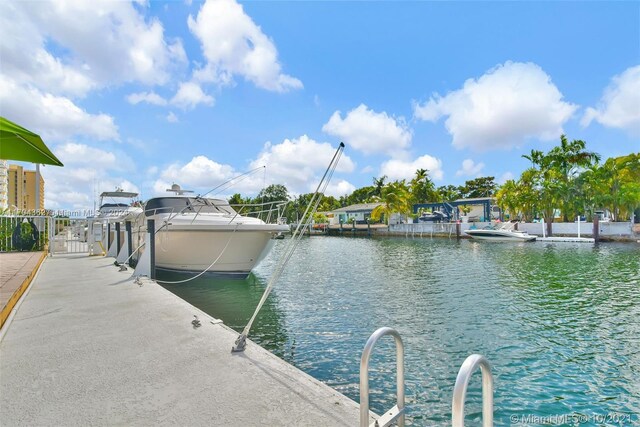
470,365
460,391
397,412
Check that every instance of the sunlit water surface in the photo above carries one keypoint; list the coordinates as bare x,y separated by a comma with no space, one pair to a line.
560,323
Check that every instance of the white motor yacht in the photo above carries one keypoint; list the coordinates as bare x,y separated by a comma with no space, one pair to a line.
194,234
112,210
500,234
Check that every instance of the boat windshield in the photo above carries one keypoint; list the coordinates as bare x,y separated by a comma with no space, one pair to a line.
114,205
187,205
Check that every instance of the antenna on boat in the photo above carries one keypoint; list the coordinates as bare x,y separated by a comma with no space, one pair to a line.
301,228
175,188
229,181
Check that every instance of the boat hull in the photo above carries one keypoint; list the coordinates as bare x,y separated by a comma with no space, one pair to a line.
227,251
500,235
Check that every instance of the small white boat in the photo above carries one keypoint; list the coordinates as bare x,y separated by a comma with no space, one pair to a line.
196,234
505,233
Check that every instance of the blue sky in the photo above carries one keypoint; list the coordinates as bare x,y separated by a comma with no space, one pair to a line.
144,94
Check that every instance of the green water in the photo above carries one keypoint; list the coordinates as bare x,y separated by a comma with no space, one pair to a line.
560,323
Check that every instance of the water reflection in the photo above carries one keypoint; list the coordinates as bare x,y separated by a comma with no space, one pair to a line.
559,322
234,301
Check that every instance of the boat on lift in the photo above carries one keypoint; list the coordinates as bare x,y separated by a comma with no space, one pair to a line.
196,234
503,233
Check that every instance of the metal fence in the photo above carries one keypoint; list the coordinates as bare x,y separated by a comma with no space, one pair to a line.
24,233
69,236
40,233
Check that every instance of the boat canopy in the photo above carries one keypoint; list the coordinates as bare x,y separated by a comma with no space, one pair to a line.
161,205
119,194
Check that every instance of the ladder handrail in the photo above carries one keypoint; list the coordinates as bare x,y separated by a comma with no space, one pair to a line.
364,379
460,390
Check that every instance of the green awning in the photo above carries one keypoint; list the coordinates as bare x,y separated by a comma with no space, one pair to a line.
18,143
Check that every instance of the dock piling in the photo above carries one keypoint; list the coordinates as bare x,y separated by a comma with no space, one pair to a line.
151,232
127,227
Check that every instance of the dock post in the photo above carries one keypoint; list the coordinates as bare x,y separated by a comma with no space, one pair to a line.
151,231
458,229
108,235
515,226
368,227
596,228
127,227
118,242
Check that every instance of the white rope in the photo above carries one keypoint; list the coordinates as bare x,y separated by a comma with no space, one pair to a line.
206,269
293,243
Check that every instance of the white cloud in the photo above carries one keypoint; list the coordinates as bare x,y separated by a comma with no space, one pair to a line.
87,172
620,103
501,109
396,169
172,118
73,154
370,132
505,177
470,168
52,116
299,163
200,173
75,65
189,95
367,169
233,44
148,97
340,188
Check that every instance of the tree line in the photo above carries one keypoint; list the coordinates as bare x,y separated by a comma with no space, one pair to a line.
568,178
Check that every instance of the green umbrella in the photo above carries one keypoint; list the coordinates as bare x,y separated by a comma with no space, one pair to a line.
18,143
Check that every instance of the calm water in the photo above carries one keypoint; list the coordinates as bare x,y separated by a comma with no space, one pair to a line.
560,323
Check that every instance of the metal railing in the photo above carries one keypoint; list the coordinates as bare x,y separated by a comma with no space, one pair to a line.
397,412
460,391
268,211
24,233
69,236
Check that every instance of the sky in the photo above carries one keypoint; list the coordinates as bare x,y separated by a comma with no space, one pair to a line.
143,94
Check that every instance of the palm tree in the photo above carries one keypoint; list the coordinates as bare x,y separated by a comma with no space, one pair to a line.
507,198
395,198
422,188
615,185
378,185
556,176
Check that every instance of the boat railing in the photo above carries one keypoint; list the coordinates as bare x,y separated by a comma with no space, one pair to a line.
507,226
269,212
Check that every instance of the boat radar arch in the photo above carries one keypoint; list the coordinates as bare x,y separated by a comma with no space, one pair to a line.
175,188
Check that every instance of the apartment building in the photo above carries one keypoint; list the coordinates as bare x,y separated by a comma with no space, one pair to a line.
4,185
21,192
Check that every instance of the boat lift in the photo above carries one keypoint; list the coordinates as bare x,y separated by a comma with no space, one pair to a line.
451,208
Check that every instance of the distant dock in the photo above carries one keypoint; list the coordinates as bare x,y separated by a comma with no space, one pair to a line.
89,346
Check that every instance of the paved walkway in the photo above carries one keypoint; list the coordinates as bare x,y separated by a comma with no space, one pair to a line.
16,268
88,346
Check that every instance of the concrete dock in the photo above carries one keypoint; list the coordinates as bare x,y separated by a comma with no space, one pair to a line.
88,346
